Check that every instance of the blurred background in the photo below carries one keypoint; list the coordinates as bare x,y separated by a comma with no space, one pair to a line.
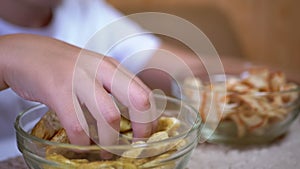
261,31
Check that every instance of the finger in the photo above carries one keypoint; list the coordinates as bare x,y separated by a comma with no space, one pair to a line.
72,119
129,74
91,93
117,80
131,92
107,116
144,123
142,117
102,108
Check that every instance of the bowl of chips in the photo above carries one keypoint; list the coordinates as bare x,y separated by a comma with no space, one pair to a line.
253,107
44,143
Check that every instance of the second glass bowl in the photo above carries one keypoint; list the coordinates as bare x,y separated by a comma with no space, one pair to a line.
256,117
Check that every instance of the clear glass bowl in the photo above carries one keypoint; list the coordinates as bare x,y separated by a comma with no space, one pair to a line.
34,149
270,121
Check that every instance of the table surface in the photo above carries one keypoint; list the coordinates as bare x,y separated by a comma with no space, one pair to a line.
282,153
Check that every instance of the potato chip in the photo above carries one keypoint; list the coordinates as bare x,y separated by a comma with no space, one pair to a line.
125,125
60,136
47,126
168,124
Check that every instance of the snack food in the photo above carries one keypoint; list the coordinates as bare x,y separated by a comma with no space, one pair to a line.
137,157
253,101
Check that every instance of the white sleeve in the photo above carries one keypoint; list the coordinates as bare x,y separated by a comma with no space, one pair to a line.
122,38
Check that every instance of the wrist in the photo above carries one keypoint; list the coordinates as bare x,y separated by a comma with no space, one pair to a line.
7,51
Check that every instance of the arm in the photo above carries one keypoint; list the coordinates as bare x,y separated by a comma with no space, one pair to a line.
173,60
57,74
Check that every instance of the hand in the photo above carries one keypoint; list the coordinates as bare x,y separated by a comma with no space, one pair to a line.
51,72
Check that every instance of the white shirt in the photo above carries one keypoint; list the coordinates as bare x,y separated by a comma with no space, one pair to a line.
87,24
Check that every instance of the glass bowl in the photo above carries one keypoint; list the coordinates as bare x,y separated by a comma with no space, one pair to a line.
241,116
156,154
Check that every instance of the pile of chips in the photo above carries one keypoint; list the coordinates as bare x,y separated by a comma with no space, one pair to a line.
140,156
254,100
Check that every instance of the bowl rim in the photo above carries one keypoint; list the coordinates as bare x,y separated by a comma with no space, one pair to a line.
26,135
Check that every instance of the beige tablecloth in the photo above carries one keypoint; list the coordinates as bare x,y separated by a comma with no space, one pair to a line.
284,153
